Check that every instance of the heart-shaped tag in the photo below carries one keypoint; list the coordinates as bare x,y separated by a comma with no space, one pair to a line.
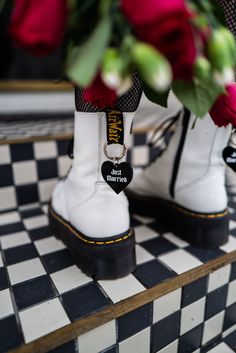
229,156
117,176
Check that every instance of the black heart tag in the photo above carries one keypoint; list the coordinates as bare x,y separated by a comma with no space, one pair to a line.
117,176
229,156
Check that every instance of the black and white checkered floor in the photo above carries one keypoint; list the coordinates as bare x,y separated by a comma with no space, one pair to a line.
41,288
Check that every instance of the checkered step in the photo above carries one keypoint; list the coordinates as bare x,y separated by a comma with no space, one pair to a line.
42,290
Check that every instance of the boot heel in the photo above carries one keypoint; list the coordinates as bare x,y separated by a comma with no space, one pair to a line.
107,258
109,268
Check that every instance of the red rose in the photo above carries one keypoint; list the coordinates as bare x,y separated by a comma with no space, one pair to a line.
38,25
223,111
99,94
165,25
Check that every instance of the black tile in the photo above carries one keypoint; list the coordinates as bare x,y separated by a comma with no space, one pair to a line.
47,168
129,156
32,212
134,222
233,271
22,152
10,336
6,176
27,194
39,233
70,347
33,291
84,300
3,278
140,139
204,255
231,341
211,344
159,227
135,321
191,340
20,253
11,228
58,260
154,152
216,301
194,291
152,273
165,331
62,147
230,316
158,246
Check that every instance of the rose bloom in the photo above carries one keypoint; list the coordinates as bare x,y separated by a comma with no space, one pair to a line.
165,25
99,95
38,25
223,111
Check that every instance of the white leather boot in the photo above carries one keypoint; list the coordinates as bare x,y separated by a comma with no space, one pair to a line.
85,212
185,187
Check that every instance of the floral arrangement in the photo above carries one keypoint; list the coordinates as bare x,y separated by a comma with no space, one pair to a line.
172,44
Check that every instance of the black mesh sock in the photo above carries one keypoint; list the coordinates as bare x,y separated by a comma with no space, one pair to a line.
127,102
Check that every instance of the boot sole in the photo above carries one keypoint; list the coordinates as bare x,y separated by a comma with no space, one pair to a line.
199,229
107,258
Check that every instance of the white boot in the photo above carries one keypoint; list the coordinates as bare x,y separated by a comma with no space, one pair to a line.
185,187
85,212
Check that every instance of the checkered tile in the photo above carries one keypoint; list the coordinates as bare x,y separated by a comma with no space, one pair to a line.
42,290
29,171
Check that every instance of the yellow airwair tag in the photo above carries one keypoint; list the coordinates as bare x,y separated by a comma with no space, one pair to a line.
115,127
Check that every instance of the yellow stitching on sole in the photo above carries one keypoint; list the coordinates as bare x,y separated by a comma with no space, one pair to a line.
199,215
85,240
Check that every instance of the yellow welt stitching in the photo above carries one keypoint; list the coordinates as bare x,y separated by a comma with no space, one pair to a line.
200,215
77,234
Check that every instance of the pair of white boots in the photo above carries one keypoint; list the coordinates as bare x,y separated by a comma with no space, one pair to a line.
185,188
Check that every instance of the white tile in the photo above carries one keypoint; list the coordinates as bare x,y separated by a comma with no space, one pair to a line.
231,296
180,261
5,157
197,351
139,343
192,315
98,339
8,198
45,189
45,209
221,348
35,222
142,255
45,149
140,155
171,348
10,217
25,270
166,305
218,278
24,172
15,239
69,278
64,163
213,327
229,331
1,263
6,307
175,240
29,206
42,319
122,288
230,246
49,244
143,233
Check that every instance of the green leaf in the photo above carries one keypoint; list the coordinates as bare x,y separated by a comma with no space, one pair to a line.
2,3
83,61
198,96
156,97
